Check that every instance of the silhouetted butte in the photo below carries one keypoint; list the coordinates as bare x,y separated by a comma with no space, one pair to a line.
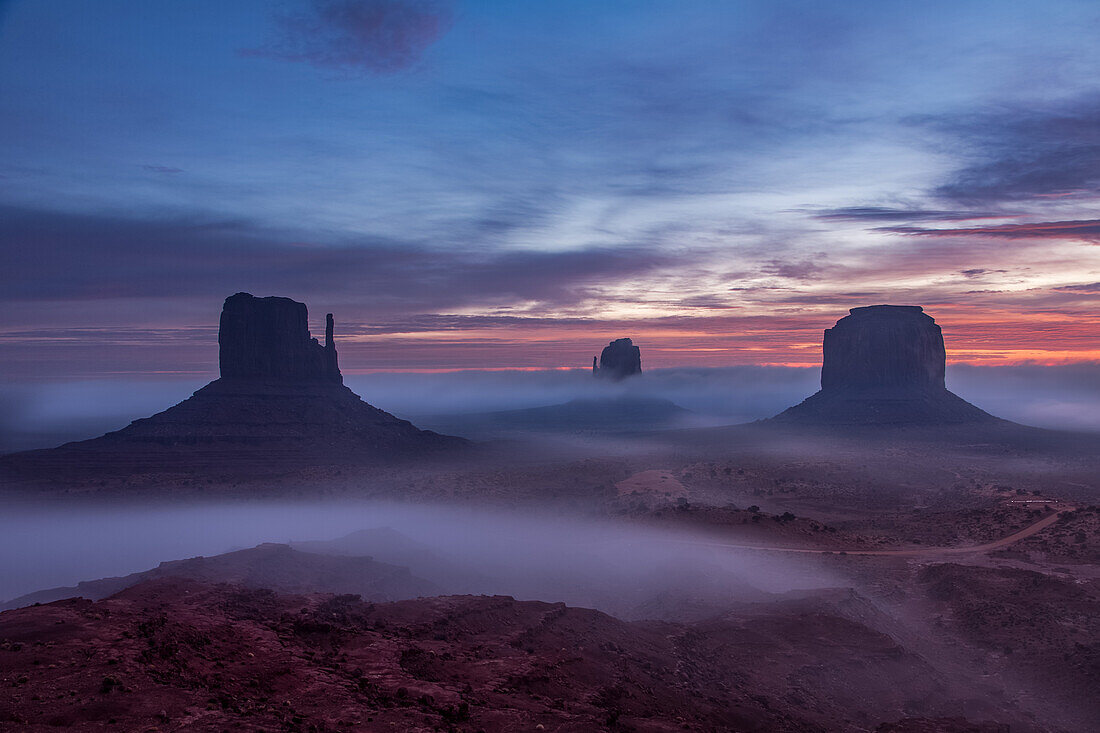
268,338
280,398
884,364
279,386
618,360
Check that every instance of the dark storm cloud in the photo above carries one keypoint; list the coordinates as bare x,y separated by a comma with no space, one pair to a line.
376,36
47,255
1018,153
1084,229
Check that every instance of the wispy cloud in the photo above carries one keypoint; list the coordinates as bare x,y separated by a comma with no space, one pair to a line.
161,169
886,213
1082,288
49,255
1018,152
1082,230
720,178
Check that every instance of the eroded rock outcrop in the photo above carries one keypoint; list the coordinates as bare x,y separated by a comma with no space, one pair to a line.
168,649
884,364
884,347
268,338
618,360
280,400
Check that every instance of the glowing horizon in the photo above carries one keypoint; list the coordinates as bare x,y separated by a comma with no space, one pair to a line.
719,181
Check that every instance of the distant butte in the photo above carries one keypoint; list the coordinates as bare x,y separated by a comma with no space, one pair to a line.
279,386
884,364
280,398
618,360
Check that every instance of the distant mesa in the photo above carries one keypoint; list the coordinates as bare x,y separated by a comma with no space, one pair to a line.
619,360
884,364
280,398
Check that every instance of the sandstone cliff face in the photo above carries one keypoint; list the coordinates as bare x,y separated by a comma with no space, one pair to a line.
884,347
619,359
268,339
884,364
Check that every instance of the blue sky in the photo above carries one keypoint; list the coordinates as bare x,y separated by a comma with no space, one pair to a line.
464,182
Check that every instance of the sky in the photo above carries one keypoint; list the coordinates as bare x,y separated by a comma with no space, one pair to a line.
510,185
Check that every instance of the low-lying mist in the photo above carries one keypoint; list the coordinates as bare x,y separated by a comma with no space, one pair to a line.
44,414
627,570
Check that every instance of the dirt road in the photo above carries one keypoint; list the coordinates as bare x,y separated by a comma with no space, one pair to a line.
1028,531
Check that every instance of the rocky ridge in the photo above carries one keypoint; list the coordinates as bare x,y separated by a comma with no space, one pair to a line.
180,654
273,566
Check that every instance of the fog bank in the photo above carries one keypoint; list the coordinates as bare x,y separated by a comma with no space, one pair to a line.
616,567
43,414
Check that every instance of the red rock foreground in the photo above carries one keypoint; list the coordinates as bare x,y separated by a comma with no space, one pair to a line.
174,654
